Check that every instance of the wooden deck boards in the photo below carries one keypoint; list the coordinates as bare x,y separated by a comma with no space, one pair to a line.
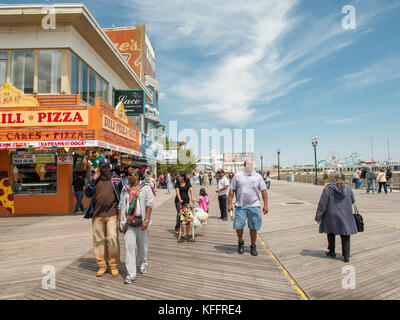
211,268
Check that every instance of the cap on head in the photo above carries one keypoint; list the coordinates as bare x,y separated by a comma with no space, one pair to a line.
104,162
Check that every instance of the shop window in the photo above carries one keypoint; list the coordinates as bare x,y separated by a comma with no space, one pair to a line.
34,173
105,91
49,73
22,63
3,67
99,87
84,82
92,87
74,74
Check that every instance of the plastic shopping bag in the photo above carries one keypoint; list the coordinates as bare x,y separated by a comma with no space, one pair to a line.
196,223
200,214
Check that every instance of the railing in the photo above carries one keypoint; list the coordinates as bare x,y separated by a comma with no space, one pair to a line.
310,179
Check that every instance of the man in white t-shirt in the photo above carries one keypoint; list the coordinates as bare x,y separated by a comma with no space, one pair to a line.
247,186
222,191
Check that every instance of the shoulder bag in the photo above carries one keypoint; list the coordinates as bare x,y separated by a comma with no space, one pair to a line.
358,219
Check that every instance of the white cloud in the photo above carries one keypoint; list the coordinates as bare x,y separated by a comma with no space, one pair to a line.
381,71
350,120
254,52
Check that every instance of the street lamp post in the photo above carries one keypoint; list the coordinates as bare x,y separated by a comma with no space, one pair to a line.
261,156
279,167
314,142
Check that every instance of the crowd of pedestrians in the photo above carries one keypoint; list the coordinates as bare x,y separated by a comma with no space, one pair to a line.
382,179
123,205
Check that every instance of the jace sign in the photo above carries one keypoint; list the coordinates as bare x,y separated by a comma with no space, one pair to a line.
43,118
133,101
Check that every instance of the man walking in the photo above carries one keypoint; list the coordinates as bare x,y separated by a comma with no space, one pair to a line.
105,190
222,191
371,177
78,183
247,186
169,179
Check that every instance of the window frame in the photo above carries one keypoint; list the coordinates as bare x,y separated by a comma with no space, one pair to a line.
60,71
7,60
35,71
104,83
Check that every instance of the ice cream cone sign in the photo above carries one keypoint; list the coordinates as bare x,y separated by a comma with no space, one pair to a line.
15,173
41,171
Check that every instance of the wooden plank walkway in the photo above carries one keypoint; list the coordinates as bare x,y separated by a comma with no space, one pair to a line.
210,268
293,236
291,264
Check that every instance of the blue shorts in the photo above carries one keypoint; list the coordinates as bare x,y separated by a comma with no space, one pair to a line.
251,214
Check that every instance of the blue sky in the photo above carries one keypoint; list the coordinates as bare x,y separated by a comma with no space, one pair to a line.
285,68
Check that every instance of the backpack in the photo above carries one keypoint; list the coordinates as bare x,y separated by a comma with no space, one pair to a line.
371,175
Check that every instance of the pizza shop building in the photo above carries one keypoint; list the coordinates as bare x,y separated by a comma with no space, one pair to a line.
56,87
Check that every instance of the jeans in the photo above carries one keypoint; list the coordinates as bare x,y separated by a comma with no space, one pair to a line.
178,207
360,182
222,206
384,184
168,187
268,184
79,198
372,182
345,244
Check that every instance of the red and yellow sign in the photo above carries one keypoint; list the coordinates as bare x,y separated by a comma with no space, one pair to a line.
130,42
42,118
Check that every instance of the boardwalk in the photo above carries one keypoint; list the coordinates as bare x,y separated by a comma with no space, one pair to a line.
291,264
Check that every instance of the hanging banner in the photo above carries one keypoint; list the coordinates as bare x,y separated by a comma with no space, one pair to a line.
33,158
65,158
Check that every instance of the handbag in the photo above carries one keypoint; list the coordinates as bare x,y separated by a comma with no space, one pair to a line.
358,219
132,220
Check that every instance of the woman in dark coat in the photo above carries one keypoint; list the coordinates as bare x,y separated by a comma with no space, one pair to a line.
335,214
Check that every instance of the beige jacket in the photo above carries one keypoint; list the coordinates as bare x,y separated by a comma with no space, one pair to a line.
381,177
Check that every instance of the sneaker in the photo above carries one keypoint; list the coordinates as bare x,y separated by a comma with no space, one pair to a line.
253,250
143,269
346,259
128,280
241,246
78,212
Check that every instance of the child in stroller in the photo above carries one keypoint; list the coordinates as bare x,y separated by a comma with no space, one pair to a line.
187,218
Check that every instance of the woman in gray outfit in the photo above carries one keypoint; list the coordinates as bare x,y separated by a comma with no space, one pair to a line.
140,190
335,214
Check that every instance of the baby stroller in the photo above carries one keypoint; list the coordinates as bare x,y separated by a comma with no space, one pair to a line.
187,222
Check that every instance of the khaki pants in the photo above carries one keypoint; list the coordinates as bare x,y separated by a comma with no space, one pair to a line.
105,242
